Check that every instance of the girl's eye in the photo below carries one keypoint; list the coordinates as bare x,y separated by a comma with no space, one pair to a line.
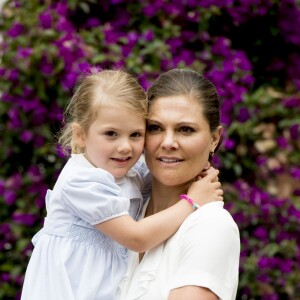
136,134
153,128
111,133
186,129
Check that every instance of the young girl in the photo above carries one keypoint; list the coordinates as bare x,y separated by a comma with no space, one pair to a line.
81,251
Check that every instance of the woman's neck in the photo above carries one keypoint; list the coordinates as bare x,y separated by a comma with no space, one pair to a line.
163,196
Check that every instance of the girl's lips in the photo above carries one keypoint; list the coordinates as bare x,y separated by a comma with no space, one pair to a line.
121,159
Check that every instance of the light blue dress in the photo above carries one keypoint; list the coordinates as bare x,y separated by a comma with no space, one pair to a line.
71,259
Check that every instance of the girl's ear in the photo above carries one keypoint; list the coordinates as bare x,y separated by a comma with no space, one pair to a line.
216,136
78,135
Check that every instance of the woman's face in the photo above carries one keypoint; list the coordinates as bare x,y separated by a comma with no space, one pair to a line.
178,140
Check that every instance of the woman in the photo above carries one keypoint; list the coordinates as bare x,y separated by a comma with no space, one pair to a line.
201,260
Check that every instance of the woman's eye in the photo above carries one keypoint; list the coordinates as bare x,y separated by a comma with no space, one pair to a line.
153,127
186,129
110,133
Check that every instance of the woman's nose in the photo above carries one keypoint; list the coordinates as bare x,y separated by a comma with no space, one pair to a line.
169,141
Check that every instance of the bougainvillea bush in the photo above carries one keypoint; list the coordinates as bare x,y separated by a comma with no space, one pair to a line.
249,49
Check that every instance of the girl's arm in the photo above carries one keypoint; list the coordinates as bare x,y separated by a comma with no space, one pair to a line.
151,231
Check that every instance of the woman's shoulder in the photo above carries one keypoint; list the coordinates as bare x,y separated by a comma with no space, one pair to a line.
211,216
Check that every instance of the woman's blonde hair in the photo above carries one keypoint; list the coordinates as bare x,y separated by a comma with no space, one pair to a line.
114,87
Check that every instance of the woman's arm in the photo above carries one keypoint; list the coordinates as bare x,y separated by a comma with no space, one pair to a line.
151,231
192,293
209,256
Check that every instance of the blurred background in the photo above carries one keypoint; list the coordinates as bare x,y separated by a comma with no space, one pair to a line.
249,49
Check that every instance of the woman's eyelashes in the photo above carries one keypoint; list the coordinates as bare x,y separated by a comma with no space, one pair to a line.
153,128
181,129
186,129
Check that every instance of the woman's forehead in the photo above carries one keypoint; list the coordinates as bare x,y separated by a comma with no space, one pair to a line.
175,102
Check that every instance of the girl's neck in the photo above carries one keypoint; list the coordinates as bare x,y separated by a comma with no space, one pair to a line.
164,196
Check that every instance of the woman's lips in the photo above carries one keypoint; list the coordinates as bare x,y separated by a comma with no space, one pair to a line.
169,160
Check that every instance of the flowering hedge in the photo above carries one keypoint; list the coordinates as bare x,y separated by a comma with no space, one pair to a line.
249,49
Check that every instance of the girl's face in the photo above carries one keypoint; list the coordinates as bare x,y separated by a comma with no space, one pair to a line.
178,140
114,141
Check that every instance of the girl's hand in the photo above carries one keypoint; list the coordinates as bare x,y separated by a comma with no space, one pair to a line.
206,188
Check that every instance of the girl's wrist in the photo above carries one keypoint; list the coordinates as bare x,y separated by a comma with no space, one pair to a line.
189,200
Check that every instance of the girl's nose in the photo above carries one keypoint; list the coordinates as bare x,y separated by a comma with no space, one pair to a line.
124,146
169,141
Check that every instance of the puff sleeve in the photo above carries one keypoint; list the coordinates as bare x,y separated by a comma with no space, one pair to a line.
92,195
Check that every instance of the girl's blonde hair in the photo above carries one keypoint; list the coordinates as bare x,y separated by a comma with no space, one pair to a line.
114,87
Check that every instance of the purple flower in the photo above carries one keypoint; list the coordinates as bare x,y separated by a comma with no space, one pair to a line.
228,144
15,120
25,219
292,102
295,131
24,52
244,114
5,277
34,173
26,136
263,278
84,67
60,151
2,71
282,142
221,47
216,162
261,160
150,10
175,43
38,141
45,20
295,172
286,266
15,30
149,35
45,67
261,233
293,211
64,25
185,56
111,35
69,80
296,192
9,197
62,8
263,263
92,22
241,60
145,83
13,75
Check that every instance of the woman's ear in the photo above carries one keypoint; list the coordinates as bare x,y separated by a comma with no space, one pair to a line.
78,135
216,136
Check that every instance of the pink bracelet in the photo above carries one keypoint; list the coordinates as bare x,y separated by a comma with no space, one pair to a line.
189,200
